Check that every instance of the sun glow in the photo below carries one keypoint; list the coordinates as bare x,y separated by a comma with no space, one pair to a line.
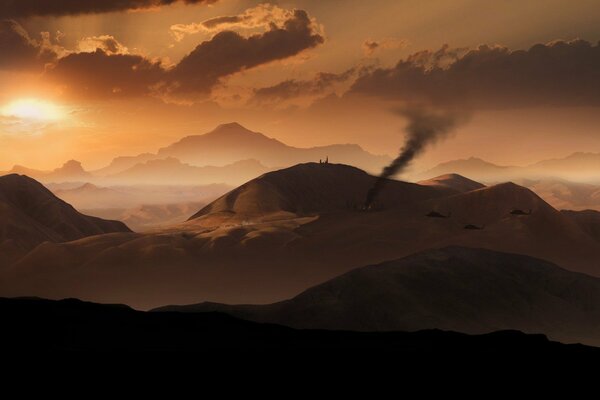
33,109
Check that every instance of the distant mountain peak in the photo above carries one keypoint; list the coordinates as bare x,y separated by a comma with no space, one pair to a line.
87,186
232,128
453,181
71,166
230,125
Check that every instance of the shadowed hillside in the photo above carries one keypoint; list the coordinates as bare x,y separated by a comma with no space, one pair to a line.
461,289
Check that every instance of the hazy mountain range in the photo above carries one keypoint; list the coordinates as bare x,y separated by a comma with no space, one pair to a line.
229,154
577,167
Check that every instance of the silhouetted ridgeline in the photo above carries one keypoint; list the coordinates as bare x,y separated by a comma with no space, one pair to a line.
45,325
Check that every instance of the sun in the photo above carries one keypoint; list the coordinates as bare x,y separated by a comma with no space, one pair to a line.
33,109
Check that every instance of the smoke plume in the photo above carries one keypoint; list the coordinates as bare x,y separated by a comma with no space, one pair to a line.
424,127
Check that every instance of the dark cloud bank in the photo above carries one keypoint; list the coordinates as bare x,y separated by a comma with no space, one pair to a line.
557,73
31,8
103,74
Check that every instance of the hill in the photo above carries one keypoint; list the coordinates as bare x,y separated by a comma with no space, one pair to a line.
36,325
473,167
30,214
71,171
588,220
454,182
292,229
461,289
314,188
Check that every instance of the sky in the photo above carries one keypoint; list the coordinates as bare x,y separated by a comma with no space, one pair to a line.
92,80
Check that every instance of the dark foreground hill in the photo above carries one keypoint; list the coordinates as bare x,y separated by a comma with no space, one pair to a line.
34,325
459,289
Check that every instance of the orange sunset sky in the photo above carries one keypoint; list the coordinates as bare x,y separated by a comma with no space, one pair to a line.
92,80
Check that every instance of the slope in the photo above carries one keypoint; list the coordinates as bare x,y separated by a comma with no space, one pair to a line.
453,181
469,290
30,214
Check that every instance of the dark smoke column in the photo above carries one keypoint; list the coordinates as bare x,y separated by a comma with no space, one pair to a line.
424,127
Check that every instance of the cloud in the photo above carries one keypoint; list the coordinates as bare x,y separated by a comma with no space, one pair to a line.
31,8
19,51
229,52
100,74
557,73
104,68
371,46
261,16
107,43
322,84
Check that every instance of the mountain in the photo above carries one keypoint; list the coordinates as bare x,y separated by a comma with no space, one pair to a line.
566,195
474,167
120,164
313,188
232,142
577,167
72,170
30,214
169,170
453,182
37,325
454,288
292,229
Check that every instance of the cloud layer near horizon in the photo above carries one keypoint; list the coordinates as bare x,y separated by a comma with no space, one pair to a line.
30,8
